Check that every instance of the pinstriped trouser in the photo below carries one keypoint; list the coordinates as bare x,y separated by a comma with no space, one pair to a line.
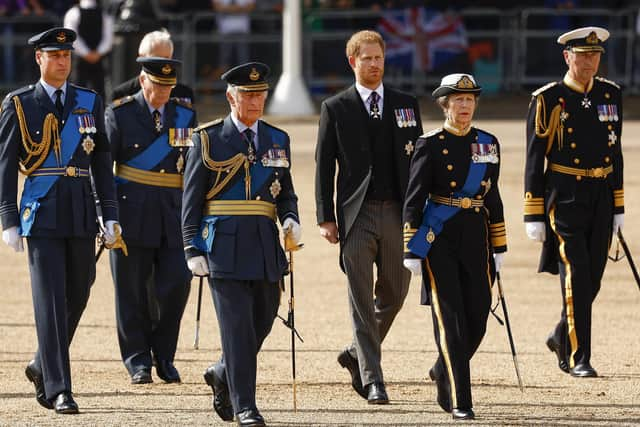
375,239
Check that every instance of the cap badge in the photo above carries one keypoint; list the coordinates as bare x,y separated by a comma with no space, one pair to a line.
592,38
465,83
254,75
166,69
61,37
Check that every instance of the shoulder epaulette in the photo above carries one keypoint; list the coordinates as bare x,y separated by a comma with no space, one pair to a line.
273,127
182,102
432,133
543,88
20,91
209,124
121,101
612,83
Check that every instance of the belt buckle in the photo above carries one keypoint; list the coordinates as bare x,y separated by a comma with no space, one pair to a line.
71,171
465,203
597,172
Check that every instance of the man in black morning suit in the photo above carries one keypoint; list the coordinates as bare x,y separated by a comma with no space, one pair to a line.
237,184
369,130
149,135
53,132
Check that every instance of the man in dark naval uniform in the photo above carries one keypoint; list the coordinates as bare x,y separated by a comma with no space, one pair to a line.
149,134
370,131
53,132
237,184
576,203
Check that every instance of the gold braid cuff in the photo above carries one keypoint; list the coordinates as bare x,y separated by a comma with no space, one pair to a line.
230,166
555,127
40,150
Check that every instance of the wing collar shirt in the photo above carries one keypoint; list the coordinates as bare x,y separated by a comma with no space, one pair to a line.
365,93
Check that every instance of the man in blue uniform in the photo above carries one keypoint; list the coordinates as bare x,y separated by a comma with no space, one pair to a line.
149,135
53,132
576,203
237,184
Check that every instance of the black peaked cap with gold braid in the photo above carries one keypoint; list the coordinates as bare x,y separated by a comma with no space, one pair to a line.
58,38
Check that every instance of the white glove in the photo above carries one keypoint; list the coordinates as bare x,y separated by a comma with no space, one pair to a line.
198,266
296,230
414,265
618,223
497,260
12,238
110,232
536,231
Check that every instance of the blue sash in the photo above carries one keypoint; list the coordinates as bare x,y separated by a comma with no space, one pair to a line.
36,187
435,214
159,148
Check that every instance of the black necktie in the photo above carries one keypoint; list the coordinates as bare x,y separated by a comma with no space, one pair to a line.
156,120
374,111
248,135
59,106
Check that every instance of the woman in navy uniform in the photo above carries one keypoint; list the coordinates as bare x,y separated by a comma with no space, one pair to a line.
237,184
453,224
575,204
149,134
53,132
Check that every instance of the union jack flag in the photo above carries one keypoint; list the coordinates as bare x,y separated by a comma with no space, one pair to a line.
420,38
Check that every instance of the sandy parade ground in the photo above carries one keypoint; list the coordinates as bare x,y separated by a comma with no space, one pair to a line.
325,397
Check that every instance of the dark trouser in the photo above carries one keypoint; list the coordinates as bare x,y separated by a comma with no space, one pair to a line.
375,239
583,230
90,75
245,311
163,271
62,271
458,272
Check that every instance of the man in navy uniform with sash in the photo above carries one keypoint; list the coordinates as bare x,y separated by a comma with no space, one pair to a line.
53,132
237,184
576,203
149,135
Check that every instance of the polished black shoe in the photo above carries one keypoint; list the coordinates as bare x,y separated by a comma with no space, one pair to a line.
250,417
463,414
583,370
221,399
142,376
65,404
443,397
167,372
560,353
346,360
376,394
35,376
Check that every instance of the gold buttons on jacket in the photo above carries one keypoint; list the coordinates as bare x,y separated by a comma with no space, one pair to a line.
449,167
573,145
440,136
607,159
609,127
576,161
578,178
478,197
453,184
445,151
476,209
136,145
570,130
161,170
606,95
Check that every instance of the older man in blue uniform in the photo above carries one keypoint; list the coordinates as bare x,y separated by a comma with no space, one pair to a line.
53,133
149,135
237,184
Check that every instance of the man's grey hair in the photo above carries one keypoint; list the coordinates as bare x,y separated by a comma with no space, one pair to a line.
152,40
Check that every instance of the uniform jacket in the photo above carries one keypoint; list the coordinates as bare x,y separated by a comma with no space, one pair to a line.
68,209
150,215
245,247
439,167
571,128
343,140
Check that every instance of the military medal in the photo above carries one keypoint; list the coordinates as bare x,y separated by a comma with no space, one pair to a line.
431,236
275,188
484,153
275,158
608,113
180,137
586,102
612,138
87,127
87,144
251,154
408,148
180,162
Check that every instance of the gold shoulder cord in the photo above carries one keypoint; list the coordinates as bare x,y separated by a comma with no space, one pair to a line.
230,166
556,127
37,149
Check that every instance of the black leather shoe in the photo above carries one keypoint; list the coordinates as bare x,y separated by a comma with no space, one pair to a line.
167,372
442,387
583,370
250,417
346,360
65,404
560,353
376,394
463,414
221,400
142,376
35,376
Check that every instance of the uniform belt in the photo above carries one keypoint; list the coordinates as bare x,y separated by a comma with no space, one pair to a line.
589,173
240,207
66,171
458,202
141,176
